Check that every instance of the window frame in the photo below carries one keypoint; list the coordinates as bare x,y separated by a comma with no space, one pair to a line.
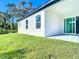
26,24
38,21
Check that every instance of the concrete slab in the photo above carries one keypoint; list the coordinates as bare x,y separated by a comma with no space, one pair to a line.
66,38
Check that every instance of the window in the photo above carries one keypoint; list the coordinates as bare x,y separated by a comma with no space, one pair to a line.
38,21
26,24
19,24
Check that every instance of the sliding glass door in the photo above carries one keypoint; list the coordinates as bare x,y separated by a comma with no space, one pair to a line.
69,25
77,25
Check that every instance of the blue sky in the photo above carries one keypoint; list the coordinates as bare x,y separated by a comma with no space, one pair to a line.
3,3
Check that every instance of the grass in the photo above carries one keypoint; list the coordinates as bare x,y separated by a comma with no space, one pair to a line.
21,46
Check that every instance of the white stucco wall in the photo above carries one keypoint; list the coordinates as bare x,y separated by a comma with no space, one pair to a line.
55,15
53,23
32,25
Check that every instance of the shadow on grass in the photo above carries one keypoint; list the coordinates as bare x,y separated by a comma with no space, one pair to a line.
17,54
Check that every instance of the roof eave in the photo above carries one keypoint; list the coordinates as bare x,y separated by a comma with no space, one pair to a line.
42,7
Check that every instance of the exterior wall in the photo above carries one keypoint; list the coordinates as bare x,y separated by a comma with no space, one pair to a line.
55,15
32,25
53,23
52,19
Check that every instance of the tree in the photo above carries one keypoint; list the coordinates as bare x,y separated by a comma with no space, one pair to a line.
22,3
11,9
4,18
20,10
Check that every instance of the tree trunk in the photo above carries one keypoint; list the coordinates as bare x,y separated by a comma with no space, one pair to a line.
13,23
5,26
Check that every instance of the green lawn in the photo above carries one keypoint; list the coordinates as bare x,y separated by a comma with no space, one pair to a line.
21,46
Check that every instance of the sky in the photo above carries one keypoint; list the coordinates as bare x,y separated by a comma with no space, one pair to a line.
3,3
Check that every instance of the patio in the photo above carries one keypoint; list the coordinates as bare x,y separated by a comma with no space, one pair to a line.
66,38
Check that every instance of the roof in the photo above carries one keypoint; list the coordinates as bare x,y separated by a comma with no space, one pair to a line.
38,9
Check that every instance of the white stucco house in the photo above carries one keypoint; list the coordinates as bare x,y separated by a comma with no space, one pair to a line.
56,17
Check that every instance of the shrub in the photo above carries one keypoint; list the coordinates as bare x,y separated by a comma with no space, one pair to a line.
2,31
12,31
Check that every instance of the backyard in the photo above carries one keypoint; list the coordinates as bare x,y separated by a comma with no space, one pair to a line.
22,46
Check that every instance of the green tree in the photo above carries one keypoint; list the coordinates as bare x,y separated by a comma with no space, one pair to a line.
11,9
5,17
19,10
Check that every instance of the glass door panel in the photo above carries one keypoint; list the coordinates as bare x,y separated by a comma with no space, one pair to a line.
69,25
65,26
73,28
74,25
77,25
